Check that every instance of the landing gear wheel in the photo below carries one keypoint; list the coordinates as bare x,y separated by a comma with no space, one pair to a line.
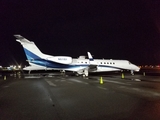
84,75
77,75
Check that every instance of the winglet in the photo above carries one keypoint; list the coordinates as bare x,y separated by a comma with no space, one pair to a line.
90,56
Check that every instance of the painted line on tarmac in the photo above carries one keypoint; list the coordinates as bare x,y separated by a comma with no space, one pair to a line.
32,77
102,88
148,92
51,83
62,80
143,92
78,81
137,79
116,82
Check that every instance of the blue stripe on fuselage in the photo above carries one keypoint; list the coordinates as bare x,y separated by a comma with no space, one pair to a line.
51,64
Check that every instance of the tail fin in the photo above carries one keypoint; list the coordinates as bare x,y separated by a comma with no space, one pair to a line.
31,50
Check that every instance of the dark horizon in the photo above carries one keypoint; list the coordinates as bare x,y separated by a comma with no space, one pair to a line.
128,30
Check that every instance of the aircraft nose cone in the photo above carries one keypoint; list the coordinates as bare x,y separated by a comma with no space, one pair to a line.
137,68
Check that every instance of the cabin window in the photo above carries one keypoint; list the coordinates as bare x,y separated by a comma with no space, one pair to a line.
101,62
104,62
86,62
110,63
107,63
113,63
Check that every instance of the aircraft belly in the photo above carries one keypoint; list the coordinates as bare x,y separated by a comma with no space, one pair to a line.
105,69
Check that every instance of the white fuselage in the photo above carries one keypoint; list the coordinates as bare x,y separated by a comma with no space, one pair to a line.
41,61
102,65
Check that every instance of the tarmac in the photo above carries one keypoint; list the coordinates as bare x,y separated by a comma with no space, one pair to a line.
64,97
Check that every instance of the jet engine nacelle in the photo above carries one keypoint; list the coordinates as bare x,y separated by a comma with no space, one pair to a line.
61,59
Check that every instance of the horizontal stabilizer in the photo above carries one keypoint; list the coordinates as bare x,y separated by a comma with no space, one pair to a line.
19,37
30,68
22,40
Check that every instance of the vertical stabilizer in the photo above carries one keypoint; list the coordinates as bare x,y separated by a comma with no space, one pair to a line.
31,50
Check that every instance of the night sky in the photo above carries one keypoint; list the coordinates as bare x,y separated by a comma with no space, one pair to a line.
111,29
